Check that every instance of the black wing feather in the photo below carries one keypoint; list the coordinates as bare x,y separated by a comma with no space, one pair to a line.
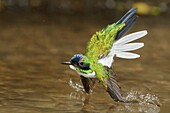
113,88
128,19
88,83
127,16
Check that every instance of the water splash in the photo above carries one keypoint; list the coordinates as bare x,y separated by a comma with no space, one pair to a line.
76,86
78,91
146,102
143,98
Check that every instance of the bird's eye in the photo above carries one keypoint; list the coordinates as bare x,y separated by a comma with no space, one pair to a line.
81,63
84,66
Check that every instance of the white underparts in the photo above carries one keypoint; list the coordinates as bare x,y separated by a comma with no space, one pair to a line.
89,75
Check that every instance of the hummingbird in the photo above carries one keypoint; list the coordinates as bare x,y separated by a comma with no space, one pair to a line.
110,42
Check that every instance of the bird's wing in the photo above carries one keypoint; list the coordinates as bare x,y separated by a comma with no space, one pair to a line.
121,48
101,43
88,83
113,87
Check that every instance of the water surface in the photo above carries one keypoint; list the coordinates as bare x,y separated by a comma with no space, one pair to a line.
32,80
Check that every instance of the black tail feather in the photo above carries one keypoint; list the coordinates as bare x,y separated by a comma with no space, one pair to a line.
128,25
128,15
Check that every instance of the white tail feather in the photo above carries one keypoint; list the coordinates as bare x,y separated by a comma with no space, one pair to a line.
127,55
131,37
120,48
128,47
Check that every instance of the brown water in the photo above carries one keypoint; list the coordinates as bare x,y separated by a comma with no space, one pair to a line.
32,80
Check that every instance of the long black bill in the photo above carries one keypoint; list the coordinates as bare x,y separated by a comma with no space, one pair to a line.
66,63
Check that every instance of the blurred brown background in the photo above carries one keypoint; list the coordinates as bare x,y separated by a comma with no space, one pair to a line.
80,6
37,35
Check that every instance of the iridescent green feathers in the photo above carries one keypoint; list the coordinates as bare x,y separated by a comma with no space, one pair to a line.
101,42
102,47
99,46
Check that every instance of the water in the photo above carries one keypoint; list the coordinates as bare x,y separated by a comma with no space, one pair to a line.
32,80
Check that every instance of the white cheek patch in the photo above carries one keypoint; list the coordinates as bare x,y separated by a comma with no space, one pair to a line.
89,75
72,67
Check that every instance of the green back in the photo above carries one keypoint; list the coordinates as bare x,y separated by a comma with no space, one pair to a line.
101,42
100,45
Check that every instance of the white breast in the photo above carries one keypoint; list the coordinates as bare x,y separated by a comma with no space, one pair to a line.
89,75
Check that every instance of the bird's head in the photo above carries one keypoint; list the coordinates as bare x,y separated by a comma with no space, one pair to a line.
81,64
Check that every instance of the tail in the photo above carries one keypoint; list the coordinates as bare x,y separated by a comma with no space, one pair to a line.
122,47
128,19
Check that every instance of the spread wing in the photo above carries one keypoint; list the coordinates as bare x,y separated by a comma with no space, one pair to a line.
101,43
121,48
